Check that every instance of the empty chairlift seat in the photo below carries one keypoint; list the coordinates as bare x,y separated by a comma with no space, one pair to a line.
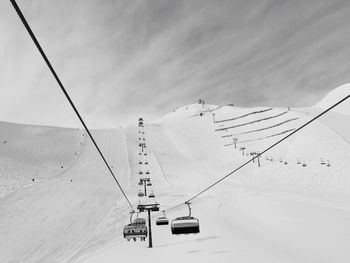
162,221
140,221
185,225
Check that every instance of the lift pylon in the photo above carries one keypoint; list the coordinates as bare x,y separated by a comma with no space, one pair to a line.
154,207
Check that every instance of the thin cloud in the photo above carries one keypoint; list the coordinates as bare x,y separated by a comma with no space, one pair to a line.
123,59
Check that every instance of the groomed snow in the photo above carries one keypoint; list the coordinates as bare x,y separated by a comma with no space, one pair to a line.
276,213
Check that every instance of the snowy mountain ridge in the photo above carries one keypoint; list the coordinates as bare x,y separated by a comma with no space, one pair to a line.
335,95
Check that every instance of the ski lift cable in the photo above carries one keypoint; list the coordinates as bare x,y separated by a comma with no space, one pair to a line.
261,153
29,30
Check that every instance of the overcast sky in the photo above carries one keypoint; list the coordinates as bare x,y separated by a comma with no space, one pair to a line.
124,59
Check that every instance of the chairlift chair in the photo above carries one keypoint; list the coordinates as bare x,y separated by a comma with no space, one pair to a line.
322,162
304,164
140,194
140,183
140,162
146,162
185,225
285,162
140,172
151,195
161,221
140,221
149,184
135,230
298,162
140,153
145,154
147,172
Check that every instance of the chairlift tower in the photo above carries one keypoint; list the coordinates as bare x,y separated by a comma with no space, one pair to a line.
256,155
252,154
144,181
149,208
235,140
242,149
142,145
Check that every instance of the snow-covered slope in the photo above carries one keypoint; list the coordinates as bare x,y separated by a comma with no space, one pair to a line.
30,154
51,220
334,96
279,212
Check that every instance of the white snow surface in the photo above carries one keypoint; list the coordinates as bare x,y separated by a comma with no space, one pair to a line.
335,95
74,212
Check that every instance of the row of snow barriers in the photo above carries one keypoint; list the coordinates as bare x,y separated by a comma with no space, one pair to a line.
235,141
137,228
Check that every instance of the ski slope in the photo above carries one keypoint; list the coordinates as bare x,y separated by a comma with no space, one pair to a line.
274,213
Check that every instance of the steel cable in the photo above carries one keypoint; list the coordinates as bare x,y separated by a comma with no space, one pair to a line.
36,42
261,153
